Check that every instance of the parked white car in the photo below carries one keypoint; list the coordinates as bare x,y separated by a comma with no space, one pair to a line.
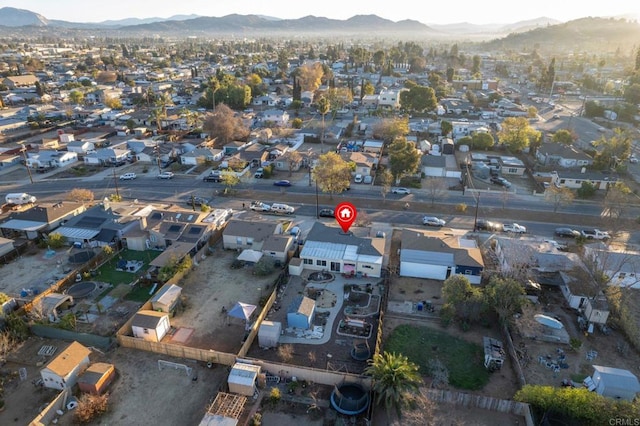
514,227
128,176
433,221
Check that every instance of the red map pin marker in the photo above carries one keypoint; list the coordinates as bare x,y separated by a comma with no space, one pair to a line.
345,214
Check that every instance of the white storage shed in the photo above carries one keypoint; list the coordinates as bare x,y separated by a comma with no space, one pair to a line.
242,378
269,334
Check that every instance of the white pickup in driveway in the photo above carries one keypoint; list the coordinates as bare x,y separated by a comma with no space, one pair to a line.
514,227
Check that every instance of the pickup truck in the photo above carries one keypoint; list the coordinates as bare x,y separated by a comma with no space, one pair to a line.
259,206
514,227
595,234
214,176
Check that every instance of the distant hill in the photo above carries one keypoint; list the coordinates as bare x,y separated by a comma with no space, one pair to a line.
586,34
494,29
12,17
138,21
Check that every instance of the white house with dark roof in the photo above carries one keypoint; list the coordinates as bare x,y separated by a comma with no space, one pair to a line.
560,155
329,249
439,257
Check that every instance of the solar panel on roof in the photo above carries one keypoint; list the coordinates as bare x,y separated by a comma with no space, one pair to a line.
174,228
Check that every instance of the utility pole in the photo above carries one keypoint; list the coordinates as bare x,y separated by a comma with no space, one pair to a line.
115,179
475,218
24,155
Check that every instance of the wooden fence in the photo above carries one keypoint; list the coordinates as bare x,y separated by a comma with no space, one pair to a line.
484,402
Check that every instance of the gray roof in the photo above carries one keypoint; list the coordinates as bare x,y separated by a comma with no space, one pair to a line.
554,149
445,250
259,230
276,243
147,319
326,234
434,161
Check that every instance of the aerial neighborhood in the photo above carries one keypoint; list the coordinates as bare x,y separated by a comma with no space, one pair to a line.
212,230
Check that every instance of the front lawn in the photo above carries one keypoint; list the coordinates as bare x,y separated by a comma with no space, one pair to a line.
463,360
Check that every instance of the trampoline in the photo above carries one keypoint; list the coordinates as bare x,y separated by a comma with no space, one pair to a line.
81,257
350,399
82,289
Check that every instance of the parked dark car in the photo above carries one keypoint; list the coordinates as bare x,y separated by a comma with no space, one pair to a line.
567,232
326,213
198,201
487,225
282,183
501,181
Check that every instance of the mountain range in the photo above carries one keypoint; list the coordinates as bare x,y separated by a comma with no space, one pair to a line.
16,18
583,34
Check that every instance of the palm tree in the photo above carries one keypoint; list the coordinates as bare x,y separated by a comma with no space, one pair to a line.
394,380
323,108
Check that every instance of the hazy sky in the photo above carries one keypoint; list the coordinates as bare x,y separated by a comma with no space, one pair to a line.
473,11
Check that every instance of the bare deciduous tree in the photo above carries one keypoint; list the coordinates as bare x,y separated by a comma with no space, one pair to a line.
436,189
285,352
558,196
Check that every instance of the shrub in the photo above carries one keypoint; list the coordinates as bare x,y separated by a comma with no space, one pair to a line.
90,407
462,207
275,395
256,420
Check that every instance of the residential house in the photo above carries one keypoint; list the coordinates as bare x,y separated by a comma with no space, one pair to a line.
161,228
574,180
440,166
40,219
373,147
201,156
456,106
269,100
279,118
365,162
439,257
253,154
9,160
150,325
81,147
329,249
512,166
464,85
18,81
233,147
622,268
63,370
554,154
97,226
390,98
370,101
278,247
48,159
248,234
287,162
107,157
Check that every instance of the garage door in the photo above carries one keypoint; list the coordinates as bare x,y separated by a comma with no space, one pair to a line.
454,174
419,270
433,171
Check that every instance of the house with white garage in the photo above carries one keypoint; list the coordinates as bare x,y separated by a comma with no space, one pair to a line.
440,166
423,255
327,248
248,234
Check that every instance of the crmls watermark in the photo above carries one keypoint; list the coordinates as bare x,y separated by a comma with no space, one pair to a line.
624,421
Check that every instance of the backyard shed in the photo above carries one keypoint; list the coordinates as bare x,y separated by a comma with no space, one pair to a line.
242,378
301,312
63,370
97,378
150,325
269,334
167,298
615,382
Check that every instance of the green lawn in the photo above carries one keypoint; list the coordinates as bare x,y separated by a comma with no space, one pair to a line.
107,272
464,360
140,294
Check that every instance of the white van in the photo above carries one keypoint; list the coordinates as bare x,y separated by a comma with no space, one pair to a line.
20,198
282,208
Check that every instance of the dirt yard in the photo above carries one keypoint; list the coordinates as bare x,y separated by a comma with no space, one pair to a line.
34,270
139,383
208,288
